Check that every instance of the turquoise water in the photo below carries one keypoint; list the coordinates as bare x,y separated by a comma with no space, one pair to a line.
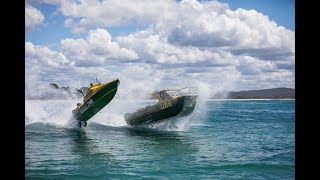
247,139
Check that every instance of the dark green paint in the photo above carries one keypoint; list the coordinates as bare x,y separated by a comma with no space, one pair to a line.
181,106
100,100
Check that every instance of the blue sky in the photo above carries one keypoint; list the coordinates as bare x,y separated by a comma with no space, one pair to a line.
54,29
162,43
280,11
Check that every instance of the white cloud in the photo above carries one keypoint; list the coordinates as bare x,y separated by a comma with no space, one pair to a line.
44,56
33,17
44,66
207,23
177,37
153,48
251,66
96,49
187,42
280,78
142,79
92,14
205,26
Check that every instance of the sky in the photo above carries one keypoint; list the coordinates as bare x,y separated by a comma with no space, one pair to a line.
150,45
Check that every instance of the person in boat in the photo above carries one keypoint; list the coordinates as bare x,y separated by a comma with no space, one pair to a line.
85,124
78,105
164,95
91,84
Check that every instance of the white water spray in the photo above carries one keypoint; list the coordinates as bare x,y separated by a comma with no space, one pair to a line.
59,112
56,112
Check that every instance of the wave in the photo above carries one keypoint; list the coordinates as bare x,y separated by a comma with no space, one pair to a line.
58,113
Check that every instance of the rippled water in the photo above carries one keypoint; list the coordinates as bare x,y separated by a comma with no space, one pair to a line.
247,139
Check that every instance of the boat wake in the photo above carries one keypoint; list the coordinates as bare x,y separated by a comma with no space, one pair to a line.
58,113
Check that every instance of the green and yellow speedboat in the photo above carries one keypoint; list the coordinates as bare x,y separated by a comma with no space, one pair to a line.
96,97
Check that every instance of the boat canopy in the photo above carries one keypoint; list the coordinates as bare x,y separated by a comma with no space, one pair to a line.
172,93
95,88
92,89
162,95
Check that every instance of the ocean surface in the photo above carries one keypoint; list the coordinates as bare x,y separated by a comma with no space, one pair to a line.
226,139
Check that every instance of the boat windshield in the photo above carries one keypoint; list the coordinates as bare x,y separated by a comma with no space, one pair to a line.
169,94
183,91
92,89
164,95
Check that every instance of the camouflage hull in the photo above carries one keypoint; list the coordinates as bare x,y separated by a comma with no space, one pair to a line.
95,103
176,107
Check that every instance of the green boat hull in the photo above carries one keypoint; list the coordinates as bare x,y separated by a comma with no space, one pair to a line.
178,107
96,102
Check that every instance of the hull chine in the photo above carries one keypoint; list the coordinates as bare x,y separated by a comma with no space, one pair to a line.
96,102
176,107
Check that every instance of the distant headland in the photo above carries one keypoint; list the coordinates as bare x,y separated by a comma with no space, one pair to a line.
274,93
53,91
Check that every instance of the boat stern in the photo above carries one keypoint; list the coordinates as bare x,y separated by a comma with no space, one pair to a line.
189,104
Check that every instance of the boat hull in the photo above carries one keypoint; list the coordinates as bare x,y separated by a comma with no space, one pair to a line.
96,102
177,107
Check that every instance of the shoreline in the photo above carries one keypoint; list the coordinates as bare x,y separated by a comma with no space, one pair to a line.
155,100
246,99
